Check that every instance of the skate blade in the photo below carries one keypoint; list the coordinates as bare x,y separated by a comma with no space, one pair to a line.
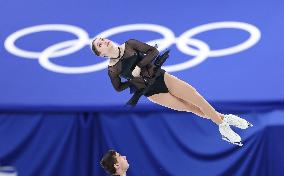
250,125
236,143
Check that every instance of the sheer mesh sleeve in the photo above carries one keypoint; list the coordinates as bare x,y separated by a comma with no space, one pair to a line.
150,51
116,81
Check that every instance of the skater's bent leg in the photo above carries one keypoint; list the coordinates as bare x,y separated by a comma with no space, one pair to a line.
170,101
189,94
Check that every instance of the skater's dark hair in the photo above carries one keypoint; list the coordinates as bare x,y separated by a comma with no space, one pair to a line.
108,161
94,48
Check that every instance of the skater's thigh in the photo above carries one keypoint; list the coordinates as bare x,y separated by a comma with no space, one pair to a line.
170,101
178,87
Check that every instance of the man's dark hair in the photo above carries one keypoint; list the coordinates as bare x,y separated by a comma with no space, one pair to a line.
108,160
94,49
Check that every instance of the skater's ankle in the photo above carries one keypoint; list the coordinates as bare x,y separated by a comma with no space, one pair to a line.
221,115
219,122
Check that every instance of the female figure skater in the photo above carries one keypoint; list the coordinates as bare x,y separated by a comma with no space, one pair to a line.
167,90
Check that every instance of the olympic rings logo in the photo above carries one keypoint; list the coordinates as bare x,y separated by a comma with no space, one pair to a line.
182,42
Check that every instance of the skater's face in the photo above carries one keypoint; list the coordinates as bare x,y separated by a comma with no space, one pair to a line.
122,163
103,46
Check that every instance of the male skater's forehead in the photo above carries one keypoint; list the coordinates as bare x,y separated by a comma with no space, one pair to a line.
94,41
118,154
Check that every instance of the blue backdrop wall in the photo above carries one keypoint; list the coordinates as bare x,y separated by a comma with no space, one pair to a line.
155,143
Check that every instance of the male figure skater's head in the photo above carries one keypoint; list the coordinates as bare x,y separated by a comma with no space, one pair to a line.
105,48
114,163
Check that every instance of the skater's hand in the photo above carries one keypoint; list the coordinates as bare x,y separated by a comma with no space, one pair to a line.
136,71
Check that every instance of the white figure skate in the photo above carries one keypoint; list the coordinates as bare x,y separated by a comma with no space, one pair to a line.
228,134
237,121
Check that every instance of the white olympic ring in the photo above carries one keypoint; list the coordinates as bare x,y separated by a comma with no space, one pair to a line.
182,42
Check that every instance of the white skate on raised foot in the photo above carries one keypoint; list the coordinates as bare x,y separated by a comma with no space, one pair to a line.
237,121
229,135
